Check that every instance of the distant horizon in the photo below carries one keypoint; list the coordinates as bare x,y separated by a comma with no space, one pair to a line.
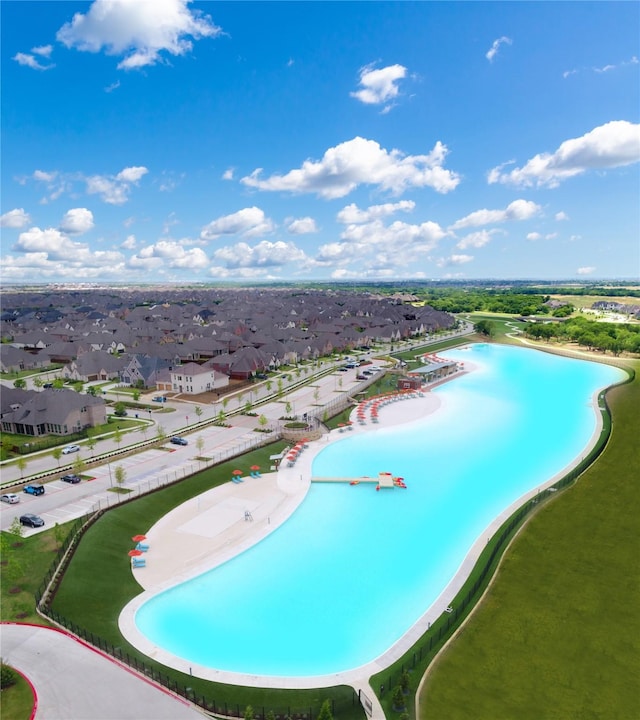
225,142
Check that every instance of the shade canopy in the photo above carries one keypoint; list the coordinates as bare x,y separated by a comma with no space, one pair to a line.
135,553
139,538
255,467
237,472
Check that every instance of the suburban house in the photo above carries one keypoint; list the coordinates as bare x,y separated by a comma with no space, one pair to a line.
143,370
97,365
50,412
194,379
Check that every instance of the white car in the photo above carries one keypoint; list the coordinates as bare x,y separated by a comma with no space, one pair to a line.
70,449
10,498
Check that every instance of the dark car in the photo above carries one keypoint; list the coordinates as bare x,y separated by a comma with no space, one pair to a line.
179,441
31,520
34,489
71,478
361,377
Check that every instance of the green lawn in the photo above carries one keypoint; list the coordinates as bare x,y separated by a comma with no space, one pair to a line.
558,633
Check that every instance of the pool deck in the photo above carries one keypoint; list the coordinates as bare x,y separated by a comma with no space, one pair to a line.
219,524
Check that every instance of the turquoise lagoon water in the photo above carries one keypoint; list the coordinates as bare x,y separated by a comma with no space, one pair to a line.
353,569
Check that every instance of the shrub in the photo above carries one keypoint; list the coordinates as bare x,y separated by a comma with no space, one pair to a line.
7,676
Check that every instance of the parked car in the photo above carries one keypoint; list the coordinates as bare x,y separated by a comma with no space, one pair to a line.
70,449
71,478
34,489
47,385
159,398
31,520
179,441
10,498
361,377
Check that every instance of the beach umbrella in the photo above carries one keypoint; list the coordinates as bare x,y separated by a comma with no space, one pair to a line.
255,467
135,553
237,472
139,538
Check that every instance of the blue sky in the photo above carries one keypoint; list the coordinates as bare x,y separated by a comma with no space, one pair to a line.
201,142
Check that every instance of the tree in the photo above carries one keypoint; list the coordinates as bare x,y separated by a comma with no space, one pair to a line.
405,681
221,417
16,528
20,383
262,421
135,395
117,436
58,533
247,407
91,390
79,465
91,443
287,408
38,382
200,444
57,454
121,474
21,462
198,411
398,698
485,327
58,383
248,713
280,387
325,711
161,433
316,394
119,409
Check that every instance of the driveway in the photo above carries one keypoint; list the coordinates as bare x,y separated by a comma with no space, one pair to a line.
75,682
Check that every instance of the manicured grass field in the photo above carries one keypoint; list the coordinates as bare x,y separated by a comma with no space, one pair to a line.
558,633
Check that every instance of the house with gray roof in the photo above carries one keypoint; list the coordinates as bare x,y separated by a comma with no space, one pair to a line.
51,412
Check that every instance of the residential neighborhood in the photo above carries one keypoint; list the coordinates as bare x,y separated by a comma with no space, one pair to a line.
184,341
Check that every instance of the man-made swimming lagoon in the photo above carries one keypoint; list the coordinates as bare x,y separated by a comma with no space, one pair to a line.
353,569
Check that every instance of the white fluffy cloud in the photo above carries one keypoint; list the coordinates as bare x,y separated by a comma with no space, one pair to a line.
248,222
114,189
57,246
517,210
16,218
381,250
495,47
77,221
476,239
614,144
561,216
264,254
379,85
139,31
302,226
361,162
171,253
352,214
589,270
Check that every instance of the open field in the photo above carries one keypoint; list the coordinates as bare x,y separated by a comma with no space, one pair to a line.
558,633
586,301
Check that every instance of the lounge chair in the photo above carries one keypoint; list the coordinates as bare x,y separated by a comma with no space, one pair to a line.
142,547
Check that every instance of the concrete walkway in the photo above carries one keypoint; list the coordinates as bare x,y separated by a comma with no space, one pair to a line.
76,682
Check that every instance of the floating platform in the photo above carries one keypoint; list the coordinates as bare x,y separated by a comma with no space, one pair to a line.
383,479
